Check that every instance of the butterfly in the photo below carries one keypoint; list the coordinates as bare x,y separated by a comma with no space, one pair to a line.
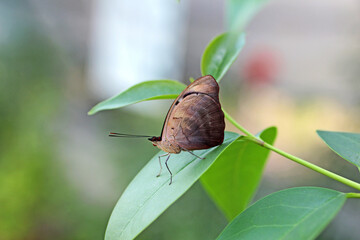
194,121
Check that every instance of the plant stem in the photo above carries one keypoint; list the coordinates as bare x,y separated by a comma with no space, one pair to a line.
294,158
353,195
314,167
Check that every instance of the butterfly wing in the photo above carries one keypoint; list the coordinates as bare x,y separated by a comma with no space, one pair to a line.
195,120
206,84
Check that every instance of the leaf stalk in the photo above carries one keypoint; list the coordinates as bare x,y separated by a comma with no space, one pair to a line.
353,195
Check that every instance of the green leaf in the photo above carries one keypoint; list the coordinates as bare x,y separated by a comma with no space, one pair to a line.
221,52
147,196
346,145
144,91
295,213
240,12
233,179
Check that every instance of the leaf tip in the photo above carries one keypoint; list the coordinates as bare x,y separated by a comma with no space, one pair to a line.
91,112
319,132
273,128
269,129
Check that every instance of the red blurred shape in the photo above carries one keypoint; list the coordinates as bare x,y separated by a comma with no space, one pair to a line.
261,67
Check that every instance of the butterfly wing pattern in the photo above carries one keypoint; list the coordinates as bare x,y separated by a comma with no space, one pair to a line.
196,120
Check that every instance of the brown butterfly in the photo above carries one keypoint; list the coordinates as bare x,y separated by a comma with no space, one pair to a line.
194,121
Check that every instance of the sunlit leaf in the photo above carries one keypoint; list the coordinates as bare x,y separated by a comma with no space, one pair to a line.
346,145
147,196
233,179
295,213
144,91
240,12
221,52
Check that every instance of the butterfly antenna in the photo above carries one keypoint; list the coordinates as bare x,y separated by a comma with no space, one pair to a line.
113,134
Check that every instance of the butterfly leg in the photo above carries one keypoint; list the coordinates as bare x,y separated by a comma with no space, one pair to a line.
168,168
160,162
195,155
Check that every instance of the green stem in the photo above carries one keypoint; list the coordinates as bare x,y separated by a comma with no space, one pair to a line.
314,167
294,158
353,195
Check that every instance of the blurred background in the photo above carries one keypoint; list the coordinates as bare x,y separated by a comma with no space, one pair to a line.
60,175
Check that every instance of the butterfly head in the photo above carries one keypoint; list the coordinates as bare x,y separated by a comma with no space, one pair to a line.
155,140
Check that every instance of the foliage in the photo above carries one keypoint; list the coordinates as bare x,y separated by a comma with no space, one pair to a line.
243,162
232,171
127,221
145,91
294,213
347,145
221,52
36,202
240,12
23,159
